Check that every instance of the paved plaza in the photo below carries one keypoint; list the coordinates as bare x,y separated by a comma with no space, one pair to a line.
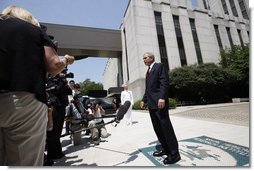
209,135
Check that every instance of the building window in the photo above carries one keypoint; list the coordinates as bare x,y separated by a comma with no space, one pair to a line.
205,4
126,54
216,28
233,8
240,37
161,39
229,37
196,42
243,9
179,40
224,5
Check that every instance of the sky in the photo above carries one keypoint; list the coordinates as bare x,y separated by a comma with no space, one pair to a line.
88,13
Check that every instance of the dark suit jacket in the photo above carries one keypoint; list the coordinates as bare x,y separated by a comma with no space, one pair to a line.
157,85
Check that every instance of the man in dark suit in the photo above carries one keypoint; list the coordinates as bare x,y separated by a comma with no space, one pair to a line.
156,95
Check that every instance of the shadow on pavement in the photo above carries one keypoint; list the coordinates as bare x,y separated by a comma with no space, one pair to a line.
132,157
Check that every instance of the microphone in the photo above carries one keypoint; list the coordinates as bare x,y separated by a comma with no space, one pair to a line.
79,57
122,111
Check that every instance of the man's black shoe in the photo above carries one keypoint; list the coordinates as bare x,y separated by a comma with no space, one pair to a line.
172,159
58,156
48,162
159,153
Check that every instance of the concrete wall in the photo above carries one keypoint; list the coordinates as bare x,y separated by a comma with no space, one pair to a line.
77,40
110,74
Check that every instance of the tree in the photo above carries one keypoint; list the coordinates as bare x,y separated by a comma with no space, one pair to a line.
87,85
211,83
236,61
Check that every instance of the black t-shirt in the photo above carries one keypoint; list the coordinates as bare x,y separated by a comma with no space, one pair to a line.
22,66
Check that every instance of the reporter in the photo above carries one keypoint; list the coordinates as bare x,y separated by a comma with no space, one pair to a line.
26,54
101,131
60,100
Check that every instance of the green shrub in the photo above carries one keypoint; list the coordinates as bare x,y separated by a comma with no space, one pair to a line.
136,105
200,84
172,103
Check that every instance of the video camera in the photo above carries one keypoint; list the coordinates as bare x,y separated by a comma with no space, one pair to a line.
67,75
54,81
62,76
56,87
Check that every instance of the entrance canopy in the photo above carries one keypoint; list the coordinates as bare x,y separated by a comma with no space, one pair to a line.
77,40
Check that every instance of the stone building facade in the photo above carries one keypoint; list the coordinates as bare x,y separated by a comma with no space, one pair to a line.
178,32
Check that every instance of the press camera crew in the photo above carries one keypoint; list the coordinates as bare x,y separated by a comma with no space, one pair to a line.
58,89
26,55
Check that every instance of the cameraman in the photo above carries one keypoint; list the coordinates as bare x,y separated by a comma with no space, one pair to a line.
59,91
26,54
75,113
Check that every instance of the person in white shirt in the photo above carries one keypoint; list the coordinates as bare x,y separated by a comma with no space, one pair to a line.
126,95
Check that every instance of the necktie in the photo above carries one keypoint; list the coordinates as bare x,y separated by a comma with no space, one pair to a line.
148,72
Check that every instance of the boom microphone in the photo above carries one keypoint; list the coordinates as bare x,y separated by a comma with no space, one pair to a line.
79,57
122,111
